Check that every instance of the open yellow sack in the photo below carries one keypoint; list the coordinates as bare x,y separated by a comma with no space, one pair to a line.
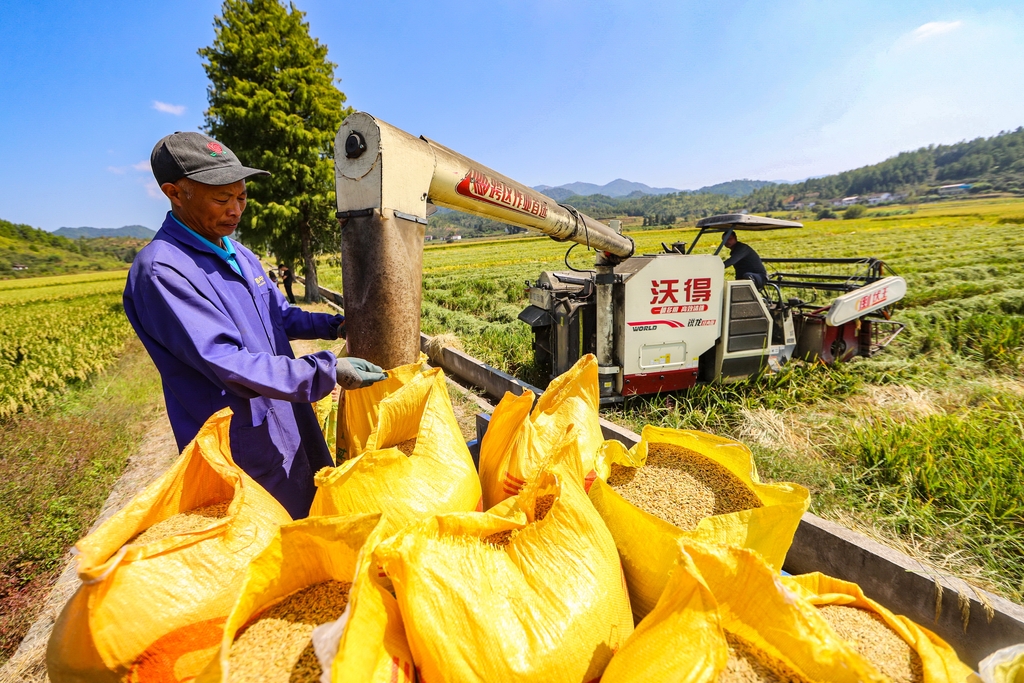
680,640
647,544
372,647
359,409
717,592
519,440
437,477
550,606
939,661
1005,665
156,611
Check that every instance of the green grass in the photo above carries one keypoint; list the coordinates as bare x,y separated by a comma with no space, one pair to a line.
920,445
57,466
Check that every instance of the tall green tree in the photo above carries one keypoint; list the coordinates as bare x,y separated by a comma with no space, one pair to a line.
274,102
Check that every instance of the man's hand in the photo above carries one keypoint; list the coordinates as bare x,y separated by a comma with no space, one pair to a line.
356,373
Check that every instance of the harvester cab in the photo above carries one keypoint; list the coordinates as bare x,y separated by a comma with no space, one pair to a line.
678,321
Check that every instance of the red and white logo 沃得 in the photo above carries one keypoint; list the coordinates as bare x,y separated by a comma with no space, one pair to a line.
214,147
477,185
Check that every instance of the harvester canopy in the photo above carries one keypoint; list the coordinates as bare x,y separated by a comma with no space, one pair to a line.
728,222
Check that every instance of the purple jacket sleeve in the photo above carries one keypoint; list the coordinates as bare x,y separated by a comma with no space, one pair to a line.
184,321
300,324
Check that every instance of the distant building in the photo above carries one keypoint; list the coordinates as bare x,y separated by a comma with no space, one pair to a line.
18,266
846,201
879,198
961,188
428,238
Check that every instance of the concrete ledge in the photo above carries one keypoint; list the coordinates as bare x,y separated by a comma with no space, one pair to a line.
908,587
491,380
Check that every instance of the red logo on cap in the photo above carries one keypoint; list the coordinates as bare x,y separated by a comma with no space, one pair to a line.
214,147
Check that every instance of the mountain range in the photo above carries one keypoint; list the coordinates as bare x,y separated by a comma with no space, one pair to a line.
137,231
616,188
620,188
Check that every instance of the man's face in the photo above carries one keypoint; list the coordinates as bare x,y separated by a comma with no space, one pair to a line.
211,210
730,242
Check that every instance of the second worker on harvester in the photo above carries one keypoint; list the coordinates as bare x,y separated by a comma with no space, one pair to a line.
218,329
746,261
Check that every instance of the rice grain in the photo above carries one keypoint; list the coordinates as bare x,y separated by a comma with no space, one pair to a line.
277,646
183,522
748,665
682,486
867,632
407,446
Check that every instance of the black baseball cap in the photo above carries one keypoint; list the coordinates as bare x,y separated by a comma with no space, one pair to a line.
199,158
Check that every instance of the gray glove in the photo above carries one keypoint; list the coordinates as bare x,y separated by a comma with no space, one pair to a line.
356,373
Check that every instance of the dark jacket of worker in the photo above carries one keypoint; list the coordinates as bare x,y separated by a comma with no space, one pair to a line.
747,264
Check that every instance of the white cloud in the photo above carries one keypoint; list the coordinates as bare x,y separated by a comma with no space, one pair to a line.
153,190
118,170
934,28
142,165
176,109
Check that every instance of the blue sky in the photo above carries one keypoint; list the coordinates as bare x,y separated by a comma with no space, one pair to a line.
676,94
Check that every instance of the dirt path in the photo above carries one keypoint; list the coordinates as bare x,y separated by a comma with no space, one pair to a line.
156,453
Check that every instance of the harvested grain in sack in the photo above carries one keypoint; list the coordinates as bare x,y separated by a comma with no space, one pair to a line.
436,476
358,412
519,440
900,648
772,624
543,602
160,576
314,572
703,481
725,617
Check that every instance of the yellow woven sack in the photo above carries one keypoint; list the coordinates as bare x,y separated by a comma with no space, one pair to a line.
647,544
550,606
1005,665
438,476
358,412
155,611
939,661
715,592
519,441
327,415
372,647
680,640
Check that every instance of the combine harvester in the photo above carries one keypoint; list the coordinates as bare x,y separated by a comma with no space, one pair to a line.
675,320
388,183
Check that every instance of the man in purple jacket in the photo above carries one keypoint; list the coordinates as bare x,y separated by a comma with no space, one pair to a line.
217,328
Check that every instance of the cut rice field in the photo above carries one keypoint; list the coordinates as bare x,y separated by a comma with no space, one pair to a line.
919,446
